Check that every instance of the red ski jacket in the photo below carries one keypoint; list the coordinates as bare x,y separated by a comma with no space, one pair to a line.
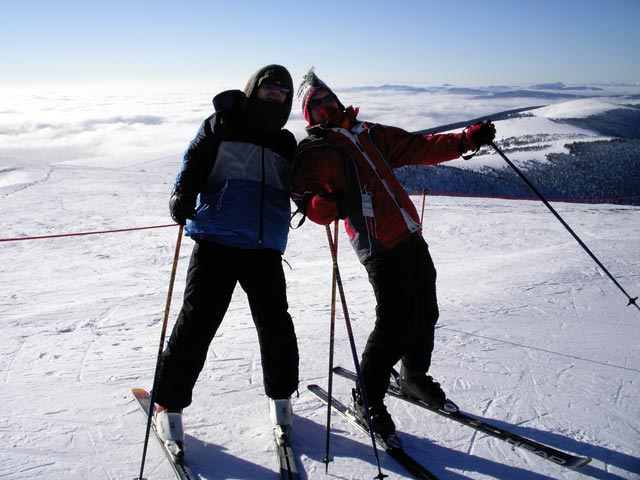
348,173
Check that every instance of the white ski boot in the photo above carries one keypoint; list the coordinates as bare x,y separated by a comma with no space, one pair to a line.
168,424
281,416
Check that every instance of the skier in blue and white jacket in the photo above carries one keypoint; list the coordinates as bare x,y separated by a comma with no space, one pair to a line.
238,176
232,193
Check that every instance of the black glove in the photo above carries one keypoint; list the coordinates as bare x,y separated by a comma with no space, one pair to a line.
182,207
481,133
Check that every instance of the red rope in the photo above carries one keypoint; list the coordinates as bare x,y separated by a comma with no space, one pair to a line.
79,234
432,192
506,197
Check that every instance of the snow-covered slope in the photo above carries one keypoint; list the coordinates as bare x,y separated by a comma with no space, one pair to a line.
531,333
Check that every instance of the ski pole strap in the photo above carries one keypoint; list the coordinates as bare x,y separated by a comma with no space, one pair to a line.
472,154
301,201
301,222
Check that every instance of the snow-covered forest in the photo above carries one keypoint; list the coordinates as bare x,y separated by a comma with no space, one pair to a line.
582,170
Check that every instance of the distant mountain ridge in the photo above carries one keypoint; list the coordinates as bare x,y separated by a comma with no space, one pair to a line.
555,91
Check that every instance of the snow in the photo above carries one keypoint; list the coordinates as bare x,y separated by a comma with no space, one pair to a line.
556,136
579,108
532,334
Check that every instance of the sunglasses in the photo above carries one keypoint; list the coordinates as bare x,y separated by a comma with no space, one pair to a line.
271,84
315,103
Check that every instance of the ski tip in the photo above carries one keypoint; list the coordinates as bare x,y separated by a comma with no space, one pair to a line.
583,462
450,407
139,392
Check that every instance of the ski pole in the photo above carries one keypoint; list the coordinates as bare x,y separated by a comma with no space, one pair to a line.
160,348
424,194
632,300
332,326
354,353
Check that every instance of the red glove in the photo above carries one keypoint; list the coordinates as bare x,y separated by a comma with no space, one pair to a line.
324,209
481,133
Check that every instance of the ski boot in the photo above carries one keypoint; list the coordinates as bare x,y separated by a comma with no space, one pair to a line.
381,421
423,387
168,424
281,415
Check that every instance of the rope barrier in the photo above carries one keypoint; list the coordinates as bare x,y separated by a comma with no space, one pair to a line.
507,197
421,193
79,234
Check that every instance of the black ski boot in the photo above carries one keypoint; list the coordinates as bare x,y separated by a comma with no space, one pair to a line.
421,386
381,421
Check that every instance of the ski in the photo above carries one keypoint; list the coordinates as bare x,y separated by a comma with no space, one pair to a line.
544,451
288,468
397,453
182,471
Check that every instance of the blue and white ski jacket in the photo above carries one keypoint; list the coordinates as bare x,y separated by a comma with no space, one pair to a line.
241,178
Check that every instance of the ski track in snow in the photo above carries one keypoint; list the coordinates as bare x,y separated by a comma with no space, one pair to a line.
531,334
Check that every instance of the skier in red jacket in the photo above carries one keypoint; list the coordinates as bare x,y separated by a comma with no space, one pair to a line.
344,170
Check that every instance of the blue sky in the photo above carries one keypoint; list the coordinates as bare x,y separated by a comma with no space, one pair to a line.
467,42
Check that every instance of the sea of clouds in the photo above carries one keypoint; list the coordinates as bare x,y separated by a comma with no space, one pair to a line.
131,124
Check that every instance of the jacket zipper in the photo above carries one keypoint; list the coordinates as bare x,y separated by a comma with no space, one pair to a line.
409,222
263,182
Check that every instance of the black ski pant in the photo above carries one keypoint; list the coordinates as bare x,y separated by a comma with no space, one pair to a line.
404,283
213,273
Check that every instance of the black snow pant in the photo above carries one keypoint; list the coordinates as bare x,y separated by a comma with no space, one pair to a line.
213,273
404,283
